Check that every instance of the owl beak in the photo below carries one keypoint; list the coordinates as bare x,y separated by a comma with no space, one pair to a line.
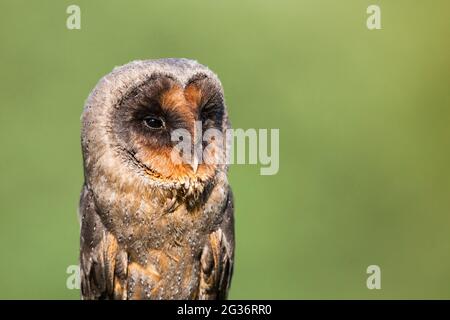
194,163
196,145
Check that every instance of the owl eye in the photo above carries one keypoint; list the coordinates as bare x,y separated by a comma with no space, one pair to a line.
154,122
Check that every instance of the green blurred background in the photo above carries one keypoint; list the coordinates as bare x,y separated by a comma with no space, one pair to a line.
364,127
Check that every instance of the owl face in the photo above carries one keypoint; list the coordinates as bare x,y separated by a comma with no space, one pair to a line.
143,117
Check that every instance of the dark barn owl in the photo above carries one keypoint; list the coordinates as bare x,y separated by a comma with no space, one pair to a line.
152,228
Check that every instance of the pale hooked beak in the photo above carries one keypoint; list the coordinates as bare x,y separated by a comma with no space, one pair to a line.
197,145
194,163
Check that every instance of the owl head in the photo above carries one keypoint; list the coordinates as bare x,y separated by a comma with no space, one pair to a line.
132,120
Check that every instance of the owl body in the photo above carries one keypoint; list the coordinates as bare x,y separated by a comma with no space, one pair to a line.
152,227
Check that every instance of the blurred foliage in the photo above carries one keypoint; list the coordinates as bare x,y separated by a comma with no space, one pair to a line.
364,127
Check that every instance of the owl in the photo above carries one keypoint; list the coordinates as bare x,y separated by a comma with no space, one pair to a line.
153,227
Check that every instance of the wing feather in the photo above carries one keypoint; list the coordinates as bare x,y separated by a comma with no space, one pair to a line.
217,258
99,250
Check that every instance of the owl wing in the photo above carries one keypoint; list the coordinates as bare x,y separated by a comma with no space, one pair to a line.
102,265
218,257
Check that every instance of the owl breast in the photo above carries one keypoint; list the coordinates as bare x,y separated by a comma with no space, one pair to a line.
156,238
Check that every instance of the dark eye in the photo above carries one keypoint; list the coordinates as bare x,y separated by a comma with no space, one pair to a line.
154,122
